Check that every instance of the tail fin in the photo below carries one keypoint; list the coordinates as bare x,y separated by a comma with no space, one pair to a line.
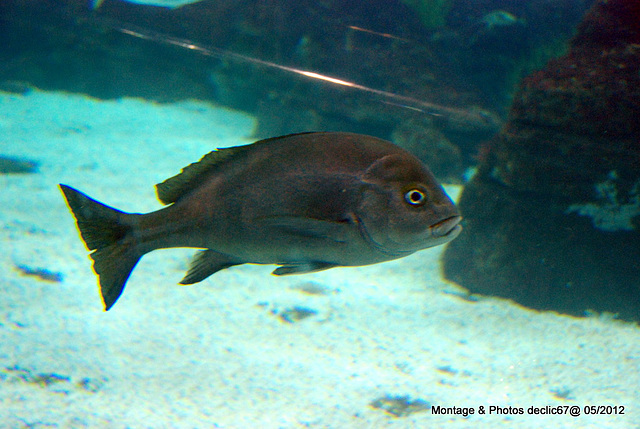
105,231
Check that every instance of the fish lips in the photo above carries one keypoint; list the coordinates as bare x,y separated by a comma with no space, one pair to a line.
439,233
445,230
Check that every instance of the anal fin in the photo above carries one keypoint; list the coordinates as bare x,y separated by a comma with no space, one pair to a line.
302,268
206,263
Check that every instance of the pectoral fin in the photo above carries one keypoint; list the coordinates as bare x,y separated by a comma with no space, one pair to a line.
300,226
205,263
302,268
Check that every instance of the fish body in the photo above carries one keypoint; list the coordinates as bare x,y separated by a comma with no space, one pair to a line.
306,202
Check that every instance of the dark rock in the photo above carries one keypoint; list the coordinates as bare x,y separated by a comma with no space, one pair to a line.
553,214
15,87
9,165
430,145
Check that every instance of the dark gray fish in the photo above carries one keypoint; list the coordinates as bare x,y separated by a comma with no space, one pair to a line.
307,202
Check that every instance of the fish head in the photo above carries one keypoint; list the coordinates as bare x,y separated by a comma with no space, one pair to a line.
403,208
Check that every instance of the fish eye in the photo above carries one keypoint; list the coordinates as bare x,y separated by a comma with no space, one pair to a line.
415,197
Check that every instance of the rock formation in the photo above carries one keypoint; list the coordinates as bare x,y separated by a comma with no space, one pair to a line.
553,213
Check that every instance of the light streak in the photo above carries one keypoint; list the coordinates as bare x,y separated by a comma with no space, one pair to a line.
387,35
391,98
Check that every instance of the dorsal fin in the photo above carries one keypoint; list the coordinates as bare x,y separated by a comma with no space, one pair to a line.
194,174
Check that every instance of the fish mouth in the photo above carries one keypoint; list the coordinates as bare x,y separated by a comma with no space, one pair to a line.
441,232
448,228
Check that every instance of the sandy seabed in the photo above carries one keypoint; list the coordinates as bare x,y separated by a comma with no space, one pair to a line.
224,353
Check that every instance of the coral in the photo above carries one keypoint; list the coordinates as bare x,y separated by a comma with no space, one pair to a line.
610,211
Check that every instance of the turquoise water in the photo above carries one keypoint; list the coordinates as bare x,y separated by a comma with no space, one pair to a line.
117,98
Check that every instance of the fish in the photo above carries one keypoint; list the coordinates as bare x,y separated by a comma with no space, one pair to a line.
306,202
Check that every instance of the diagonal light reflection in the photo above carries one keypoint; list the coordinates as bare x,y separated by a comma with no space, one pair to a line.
394,99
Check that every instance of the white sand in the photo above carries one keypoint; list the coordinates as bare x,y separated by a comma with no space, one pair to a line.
214,355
